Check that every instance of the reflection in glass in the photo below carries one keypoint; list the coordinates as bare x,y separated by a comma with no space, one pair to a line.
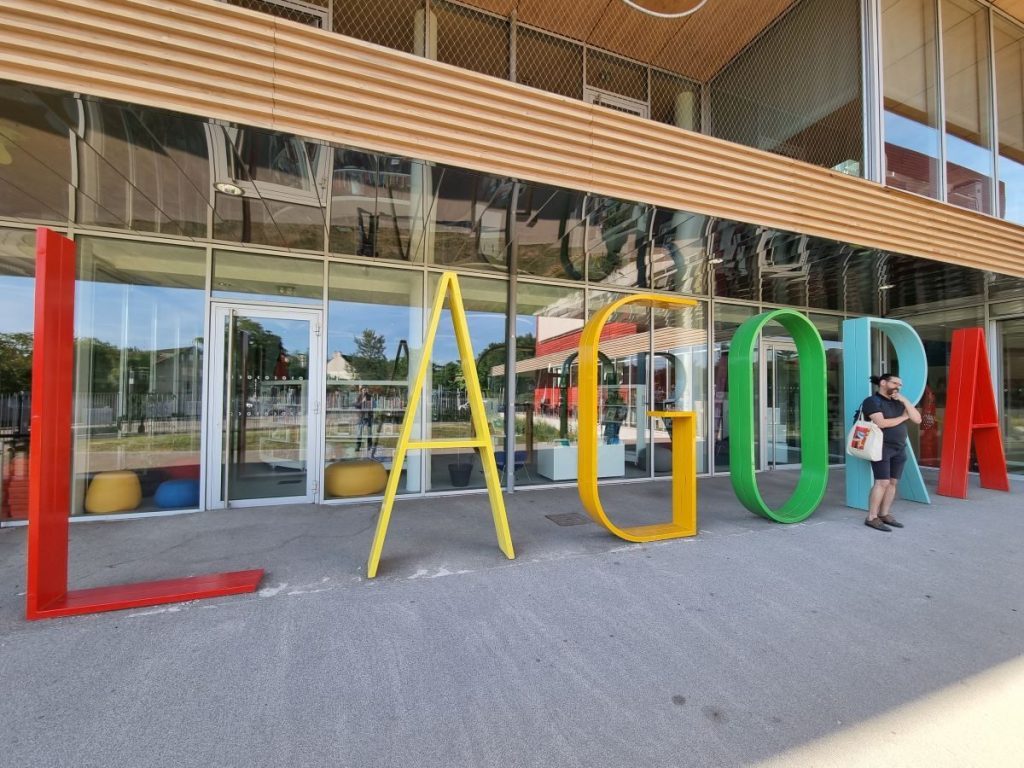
922,283
1009,56
827,267
486,303
1005,287
354,203
909,56
374,344
381,206
17,286
549,322
550,228
624,434
966,62
138,373
784,263
246,275
829,327
618,242
142,169
1011,336
266,406
270,187
680,374
472,219
728,317
678,258
35,153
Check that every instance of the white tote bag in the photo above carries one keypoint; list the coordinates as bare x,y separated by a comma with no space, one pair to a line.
865,439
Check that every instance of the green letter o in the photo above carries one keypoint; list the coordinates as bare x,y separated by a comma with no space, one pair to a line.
813,480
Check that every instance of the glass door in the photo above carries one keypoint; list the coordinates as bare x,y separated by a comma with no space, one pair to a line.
264,434
1011,364
780,423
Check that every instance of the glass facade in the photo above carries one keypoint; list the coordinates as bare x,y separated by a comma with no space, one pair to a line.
1009,67
17,298
951,91
966,58
139,347
911,95
228,352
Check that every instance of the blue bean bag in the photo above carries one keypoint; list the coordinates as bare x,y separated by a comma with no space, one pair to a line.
175,494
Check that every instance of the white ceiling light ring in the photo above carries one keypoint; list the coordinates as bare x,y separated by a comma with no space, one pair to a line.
659,15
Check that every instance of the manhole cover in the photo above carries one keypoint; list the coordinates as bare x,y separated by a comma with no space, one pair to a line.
569,518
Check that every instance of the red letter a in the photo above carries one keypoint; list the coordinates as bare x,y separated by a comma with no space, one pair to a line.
971,414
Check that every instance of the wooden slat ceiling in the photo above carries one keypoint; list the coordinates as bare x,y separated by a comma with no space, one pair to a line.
1014,8
696,46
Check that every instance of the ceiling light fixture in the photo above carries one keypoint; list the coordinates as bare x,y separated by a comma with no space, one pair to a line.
886,287
673,15
715,261
229,188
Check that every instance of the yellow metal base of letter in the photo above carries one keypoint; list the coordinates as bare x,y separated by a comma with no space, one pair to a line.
684,452
482,441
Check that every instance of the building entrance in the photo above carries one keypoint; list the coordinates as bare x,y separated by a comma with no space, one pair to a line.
780,439
263,438
780,417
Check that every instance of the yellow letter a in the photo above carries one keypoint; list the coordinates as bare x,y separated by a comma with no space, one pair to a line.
482,441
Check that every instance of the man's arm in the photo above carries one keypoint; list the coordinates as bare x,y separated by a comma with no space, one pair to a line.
885,423
912,413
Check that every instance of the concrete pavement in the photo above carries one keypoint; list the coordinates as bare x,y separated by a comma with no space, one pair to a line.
754,642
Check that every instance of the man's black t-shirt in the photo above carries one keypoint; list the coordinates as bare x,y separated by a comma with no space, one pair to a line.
892,437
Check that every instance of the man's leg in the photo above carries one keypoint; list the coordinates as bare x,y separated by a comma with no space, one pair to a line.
888,497
876,498
895,472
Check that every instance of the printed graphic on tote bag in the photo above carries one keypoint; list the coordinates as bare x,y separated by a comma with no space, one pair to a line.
860,437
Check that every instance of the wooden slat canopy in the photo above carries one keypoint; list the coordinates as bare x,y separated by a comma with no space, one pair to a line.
210,59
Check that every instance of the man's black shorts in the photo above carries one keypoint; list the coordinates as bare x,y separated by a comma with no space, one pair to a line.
891,465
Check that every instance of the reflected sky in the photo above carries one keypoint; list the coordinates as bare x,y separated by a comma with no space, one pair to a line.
158,318
17,297
910,134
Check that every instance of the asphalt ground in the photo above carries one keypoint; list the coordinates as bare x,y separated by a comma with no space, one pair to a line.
821,643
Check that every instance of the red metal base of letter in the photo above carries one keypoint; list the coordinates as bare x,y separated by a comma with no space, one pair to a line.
50,457
152,593
971,416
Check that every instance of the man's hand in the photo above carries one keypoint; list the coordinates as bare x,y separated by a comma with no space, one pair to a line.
912,413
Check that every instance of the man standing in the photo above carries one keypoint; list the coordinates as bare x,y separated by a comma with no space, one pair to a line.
890,411
364,405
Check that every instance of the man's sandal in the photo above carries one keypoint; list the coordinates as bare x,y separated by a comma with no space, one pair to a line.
877,524
890,520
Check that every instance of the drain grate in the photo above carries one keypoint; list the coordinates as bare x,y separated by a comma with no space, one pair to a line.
568,518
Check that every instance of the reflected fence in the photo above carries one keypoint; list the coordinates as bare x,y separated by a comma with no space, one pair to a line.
101,414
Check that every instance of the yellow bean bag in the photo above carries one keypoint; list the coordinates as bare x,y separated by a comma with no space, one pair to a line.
113,492
359,477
